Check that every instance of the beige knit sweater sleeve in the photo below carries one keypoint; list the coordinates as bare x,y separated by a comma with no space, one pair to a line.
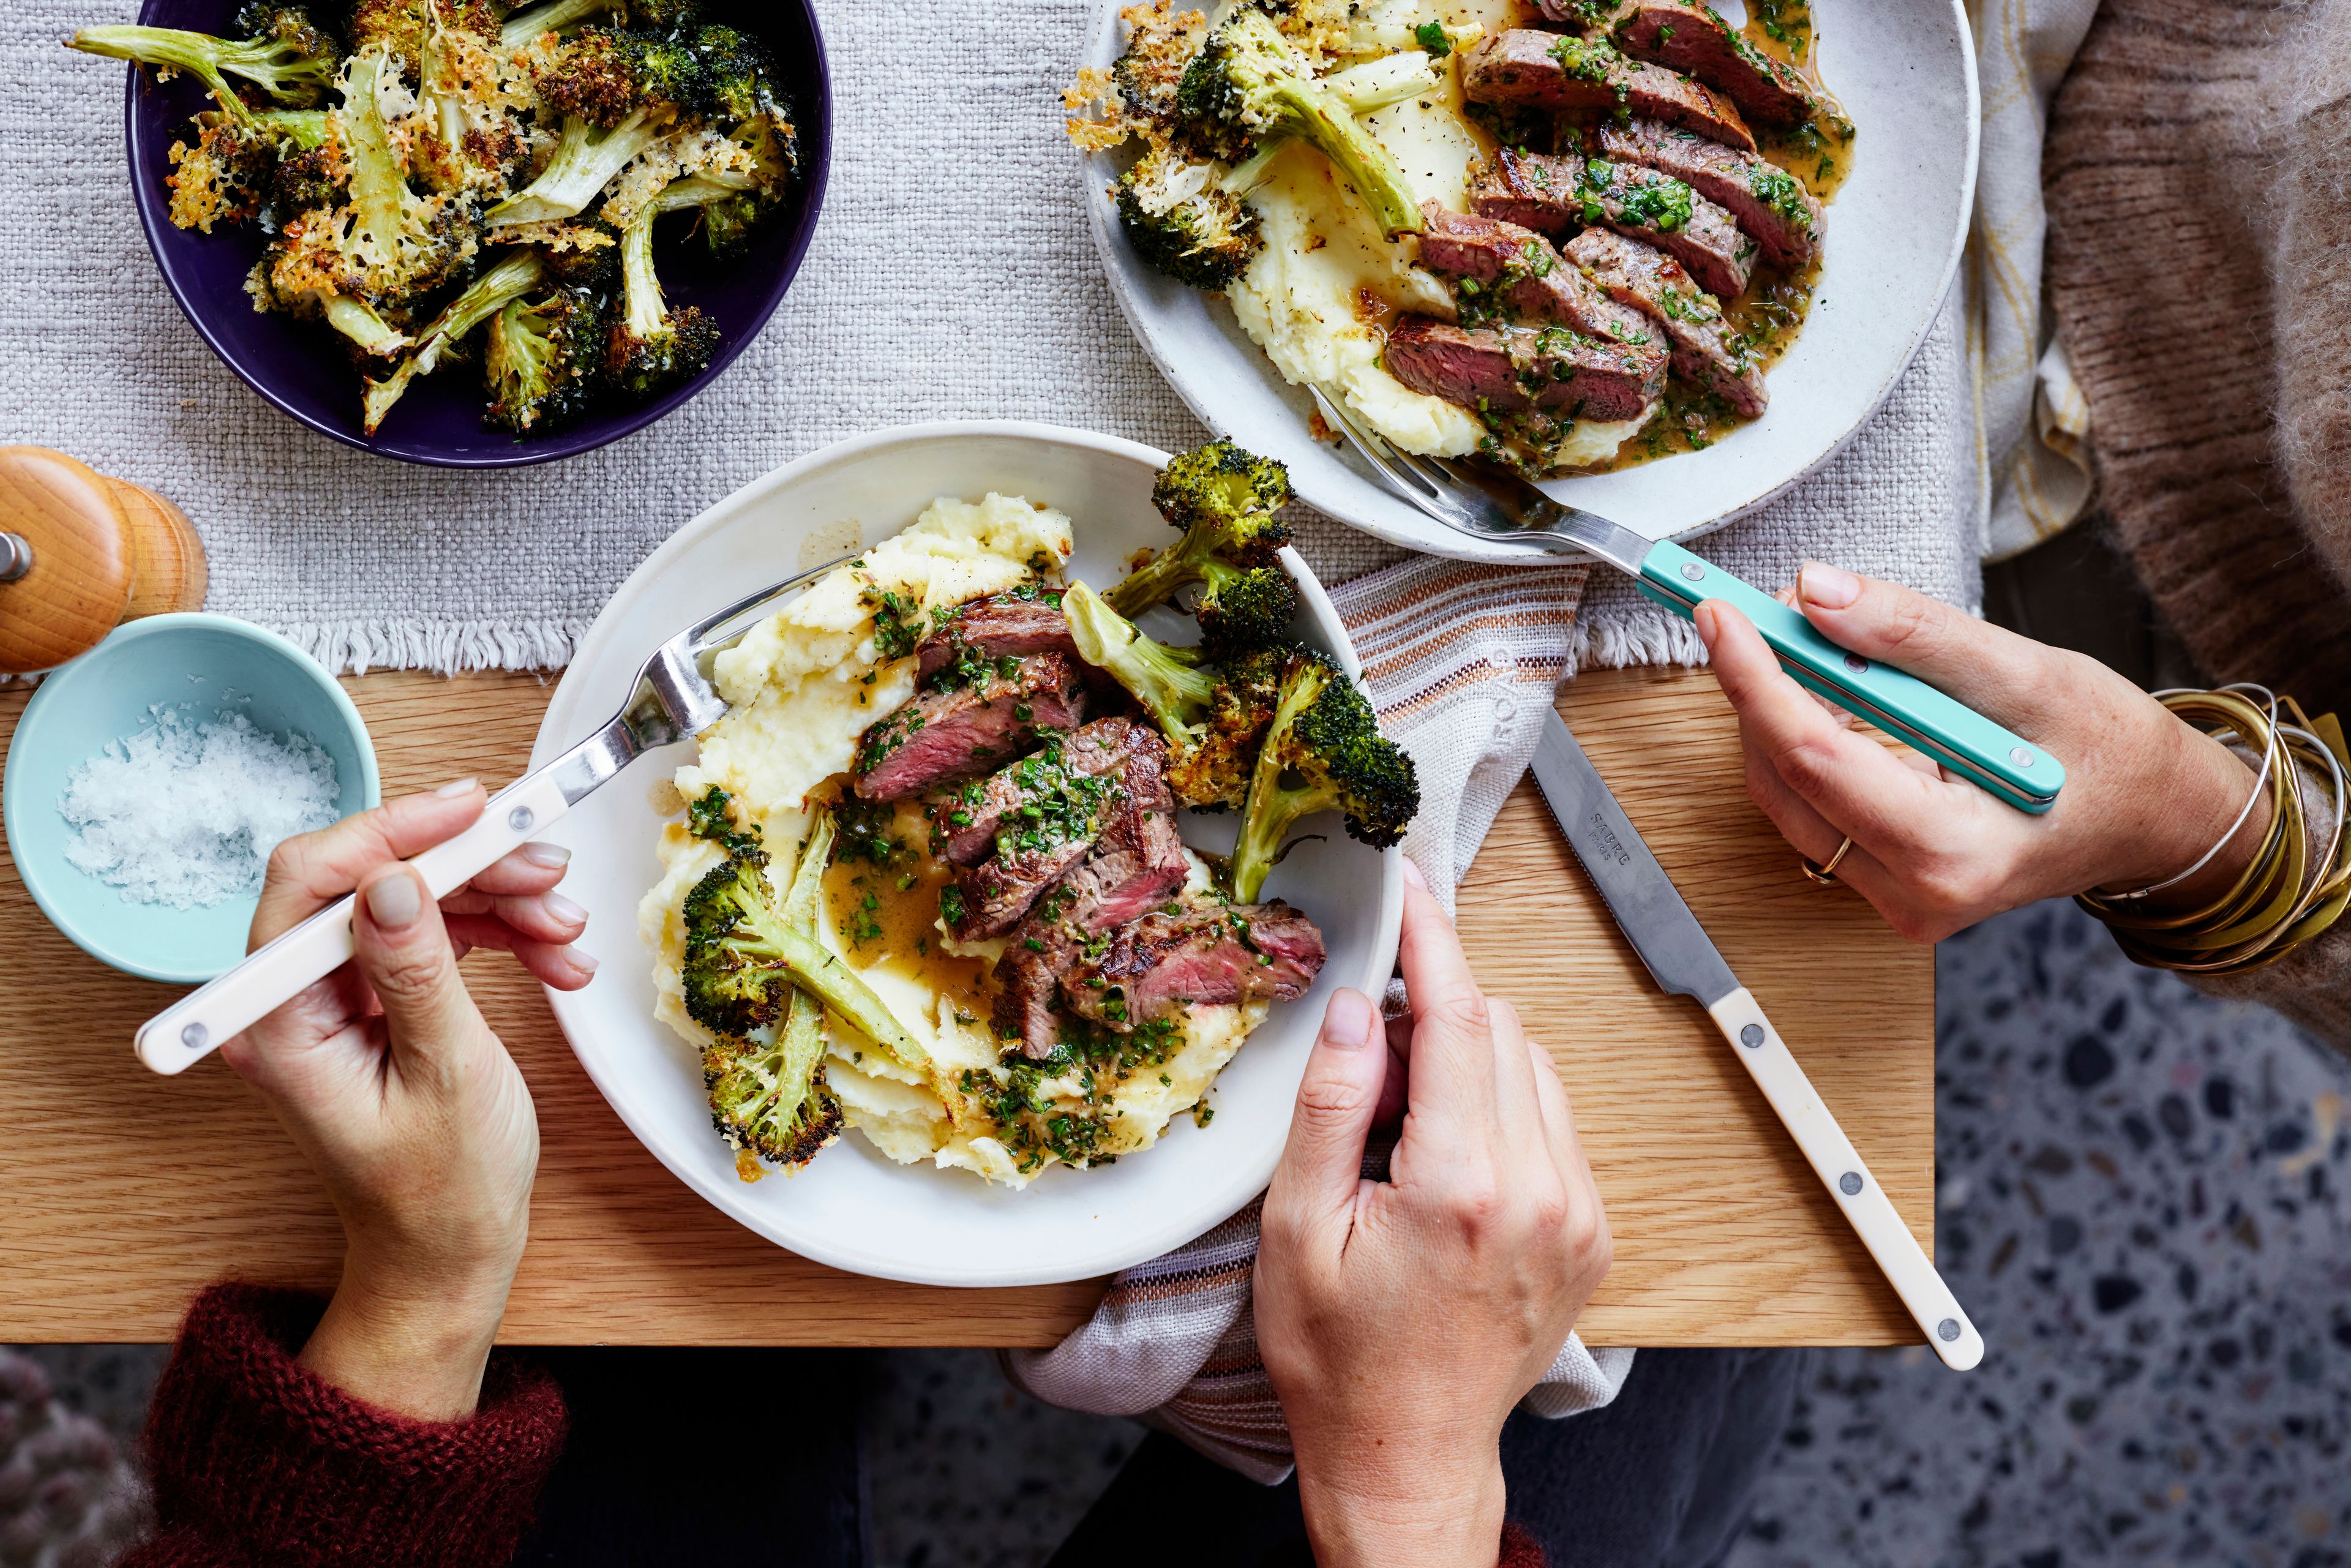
2198,175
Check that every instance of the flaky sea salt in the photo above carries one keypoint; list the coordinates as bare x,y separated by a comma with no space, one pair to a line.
186,814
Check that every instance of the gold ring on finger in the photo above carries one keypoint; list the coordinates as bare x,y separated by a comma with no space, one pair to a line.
1826,875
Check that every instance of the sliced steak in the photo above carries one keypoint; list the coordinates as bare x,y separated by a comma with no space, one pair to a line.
1513,271
1705,349
943,737
1688,35
1137,864
1063,809
1590,17
1520,68
1155,967
1768,202
1532,189
965,821
1513,369
1004,625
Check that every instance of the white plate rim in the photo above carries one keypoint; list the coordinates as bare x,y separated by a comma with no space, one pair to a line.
564,725
1438,539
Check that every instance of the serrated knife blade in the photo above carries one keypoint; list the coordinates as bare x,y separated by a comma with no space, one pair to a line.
1684,960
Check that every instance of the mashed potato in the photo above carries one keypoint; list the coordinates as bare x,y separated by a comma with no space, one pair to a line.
1319,295
803,685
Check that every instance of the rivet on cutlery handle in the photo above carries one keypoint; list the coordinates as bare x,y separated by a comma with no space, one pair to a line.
1866,1208
190,1028
1904,706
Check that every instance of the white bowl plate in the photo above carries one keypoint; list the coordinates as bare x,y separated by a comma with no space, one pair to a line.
1906,72
851,1208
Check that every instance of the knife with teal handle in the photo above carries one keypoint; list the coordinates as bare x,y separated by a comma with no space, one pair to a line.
1490,503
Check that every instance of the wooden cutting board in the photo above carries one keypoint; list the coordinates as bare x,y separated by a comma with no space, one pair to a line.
125,1193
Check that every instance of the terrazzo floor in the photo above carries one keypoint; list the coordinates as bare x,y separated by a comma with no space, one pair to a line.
2141,1198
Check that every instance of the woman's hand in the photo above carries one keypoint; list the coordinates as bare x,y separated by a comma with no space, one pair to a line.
2145,794
402,1099
1401,1321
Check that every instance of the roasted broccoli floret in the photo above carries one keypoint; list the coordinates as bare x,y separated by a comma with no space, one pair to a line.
516,274
544,358
555,16
648,346
618,94
470,137
1215,772
1244,609
385,243
405,26
1323,752
771,1099
279,50
1224,499
1171,683
746,953
1183,223
1161,45
1249,86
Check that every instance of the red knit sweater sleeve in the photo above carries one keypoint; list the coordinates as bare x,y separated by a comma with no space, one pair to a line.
256,1460
1521,1550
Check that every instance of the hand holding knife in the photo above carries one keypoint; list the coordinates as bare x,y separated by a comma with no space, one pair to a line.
1683,960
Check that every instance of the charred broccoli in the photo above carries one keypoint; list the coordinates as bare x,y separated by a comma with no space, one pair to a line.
1169,682
405,26
1224,499
1212,716
744,954
544,358
1323,752
1249,86
555,16
279,50
649,346
516,275
618,94
771,1100
1183,221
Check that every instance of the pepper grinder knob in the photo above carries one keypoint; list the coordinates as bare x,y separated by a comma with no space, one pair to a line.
80,553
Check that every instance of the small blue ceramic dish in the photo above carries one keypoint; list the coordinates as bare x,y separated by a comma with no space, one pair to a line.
301,366
215,664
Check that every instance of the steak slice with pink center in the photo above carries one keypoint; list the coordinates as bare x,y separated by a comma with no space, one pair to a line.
1768,202
941,738
1520,67
1512,370
1690,36
1155,967
1501,266
1706,350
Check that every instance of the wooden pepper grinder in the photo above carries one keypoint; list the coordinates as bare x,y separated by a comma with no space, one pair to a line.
80,553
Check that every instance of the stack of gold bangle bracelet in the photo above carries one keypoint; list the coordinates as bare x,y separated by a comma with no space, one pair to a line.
2286,896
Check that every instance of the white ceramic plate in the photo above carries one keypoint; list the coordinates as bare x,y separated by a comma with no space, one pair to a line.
1906,71
851,1208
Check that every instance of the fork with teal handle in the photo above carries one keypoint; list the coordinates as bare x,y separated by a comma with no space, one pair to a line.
1489,504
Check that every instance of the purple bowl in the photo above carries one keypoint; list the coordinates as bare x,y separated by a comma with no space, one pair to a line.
298,365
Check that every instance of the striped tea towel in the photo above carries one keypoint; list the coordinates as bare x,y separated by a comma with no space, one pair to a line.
2033,424
1461,662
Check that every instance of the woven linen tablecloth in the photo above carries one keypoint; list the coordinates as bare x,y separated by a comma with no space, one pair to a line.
960,283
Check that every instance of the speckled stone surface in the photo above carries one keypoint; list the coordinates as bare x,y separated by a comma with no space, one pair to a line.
2142,1201
964,1472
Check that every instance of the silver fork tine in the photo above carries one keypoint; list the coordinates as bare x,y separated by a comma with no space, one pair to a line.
1417,480
699,634
1375,451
